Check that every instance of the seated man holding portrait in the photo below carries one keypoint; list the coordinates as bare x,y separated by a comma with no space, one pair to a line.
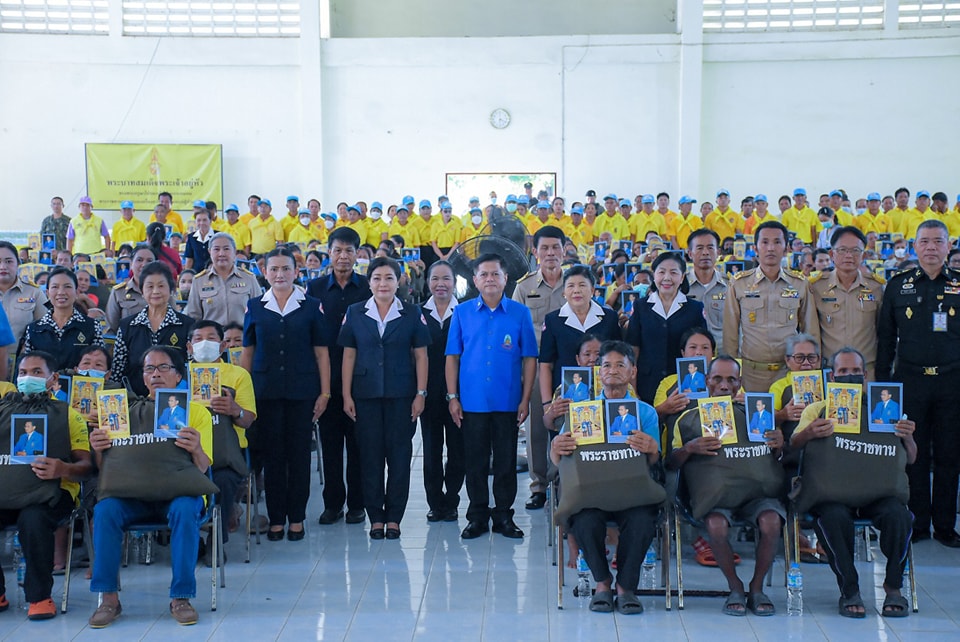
728,482
850,476
637,522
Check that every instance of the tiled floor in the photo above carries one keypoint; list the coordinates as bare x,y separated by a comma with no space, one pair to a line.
338,584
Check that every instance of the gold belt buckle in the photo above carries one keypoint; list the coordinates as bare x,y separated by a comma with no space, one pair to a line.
931,371
773,367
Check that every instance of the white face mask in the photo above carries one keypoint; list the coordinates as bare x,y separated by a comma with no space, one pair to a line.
374,214
476,219
900,252
304,220
206,351
328,224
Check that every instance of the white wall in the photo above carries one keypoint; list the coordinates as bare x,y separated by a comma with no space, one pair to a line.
381,117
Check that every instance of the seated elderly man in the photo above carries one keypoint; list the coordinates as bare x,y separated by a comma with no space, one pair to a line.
151,479
36,497
637,524
876,490
732,481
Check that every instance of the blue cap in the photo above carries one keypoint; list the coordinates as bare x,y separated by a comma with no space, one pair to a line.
923,192
523,199
543,205
425,203
404,208
625,203
476,210
576,209
446,205
474,199
511,199
232,207
330,215
721,192
873,196
686,199
761,197
376,206
799,192
610,197
202,204
648,198
835,192
126,205
293,197
355,208
443,197
303,210
265,201
408,200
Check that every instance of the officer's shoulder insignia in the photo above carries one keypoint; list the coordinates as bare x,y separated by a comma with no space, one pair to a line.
794,273
876,277
525,277
742,274
247,272
204,272
120,286
816,276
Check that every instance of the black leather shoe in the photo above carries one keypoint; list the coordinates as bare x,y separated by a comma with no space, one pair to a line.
296,536
450,516
919,536
434,516
357,516
377,533
275,536
474,530
328,517
536,501
508,529
393,533
947,538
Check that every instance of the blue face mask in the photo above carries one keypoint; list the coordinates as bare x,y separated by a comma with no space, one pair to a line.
827,225
511,207
643,288
98,374
861,210
31,385
493,201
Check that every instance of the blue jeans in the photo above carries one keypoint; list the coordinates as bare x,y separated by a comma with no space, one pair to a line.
112,515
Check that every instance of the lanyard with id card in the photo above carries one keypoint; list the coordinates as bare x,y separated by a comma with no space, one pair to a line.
940,320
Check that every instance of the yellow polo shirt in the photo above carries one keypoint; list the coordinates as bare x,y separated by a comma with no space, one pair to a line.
87,238
265,234
132,232
446,234
682,228
800,221
375,231
913,219
301,234
618,226
725,224
469,231
867,222
288,223
409,232
642,224
173,218
240,232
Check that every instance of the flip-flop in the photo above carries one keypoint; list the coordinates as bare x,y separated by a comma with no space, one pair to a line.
895,606
629,604
847,603
735,599
602,602
760,605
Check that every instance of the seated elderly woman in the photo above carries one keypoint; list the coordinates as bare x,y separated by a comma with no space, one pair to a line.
152,480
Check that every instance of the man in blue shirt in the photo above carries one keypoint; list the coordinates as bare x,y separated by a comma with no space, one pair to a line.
624,423
762,419
491,365
693,381
577,390
887,411
30,443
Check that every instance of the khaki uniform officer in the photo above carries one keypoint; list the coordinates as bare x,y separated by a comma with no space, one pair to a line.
760,314
125,299
222,300
848,315
23,304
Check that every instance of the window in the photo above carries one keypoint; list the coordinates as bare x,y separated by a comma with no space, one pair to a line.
55,16
791,15
928,13
223,18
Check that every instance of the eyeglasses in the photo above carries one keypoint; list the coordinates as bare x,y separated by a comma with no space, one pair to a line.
850,251
163,367
809,358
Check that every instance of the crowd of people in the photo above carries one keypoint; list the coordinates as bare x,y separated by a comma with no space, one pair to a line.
329,318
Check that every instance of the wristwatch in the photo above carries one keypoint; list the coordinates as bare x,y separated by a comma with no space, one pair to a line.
452,395
240,416
422,393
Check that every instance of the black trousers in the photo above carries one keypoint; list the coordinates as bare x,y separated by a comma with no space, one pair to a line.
485,433
284,427
337,432
386,432
834,526
37,524
442,483
637,525
228,481
931,403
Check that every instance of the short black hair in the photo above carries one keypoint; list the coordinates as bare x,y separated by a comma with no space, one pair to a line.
695,331
48,359
901,189
820,250
383,261
620,347
280,251
848,229
580,270
486,258
206,323
585,339
157,267
7,245
548,232
233,325
167,194
345,235
58,270
143,247
671,256
775,225
703,231
440,263
723,358
176,358
662,194
97,348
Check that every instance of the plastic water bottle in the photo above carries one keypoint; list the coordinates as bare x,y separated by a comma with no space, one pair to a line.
794,590
20,563
583,579
859,545
648,571
135,538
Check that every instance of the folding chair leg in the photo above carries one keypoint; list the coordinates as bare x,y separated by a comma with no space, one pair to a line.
866,544
214,556
676,525
786,550
561,545
66,569
247,516
665,560
913,582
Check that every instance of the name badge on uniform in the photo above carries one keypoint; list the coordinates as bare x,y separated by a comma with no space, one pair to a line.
207,288
789,293
752,294
829,299
867,296
939,321
25,300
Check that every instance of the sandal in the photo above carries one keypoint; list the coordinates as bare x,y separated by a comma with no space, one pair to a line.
602,602
847,604
895,606
760,605
629,604
735,599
